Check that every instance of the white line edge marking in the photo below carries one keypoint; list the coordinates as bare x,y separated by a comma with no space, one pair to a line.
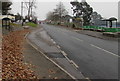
58,46
64,53
48,58
105,50
74,64
52,60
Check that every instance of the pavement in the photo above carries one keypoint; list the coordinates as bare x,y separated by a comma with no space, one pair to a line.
42,67
96,58
100,35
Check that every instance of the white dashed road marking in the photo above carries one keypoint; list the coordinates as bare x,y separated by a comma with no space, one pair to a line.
105,50
77,39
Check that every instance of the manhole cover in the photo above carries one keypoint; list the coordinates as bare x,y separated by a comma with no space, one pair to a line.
55,55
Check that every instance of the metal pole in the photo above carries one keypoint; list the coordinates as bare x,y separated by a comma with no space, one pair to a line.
106,24
22,12
21,9
0,8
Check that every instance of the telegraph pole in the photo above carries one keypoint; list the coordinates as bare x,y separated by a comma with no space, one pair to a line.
0,8
22,12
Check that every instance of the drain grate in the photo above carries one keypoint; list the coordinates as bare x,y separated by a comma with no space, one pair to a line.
55,55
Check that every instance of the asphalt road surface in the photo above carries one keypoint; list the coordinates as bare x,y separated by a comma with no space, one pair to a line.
96,58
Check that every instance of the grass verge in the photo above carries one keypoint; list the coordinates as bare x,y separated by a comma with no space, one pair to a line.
31,24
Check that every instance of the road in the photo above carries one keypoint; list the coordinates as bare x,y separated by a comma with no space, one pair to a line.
96,58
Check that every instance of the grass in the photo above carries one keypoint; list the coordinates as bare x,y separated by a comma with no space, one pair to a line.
16,25
31,24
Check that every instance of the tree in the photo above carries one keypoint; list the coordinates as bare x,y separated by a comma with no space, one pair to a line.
95,15
82,10
57,13
60,10
50,16
29,6
96,19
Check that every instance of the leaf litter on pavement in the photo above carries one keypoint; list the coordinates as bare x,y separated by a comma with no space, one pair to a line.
13,66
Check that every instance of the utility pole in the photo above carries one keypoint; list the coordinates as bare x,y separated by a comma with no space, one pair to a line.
22,12
0,8
60,13
31,11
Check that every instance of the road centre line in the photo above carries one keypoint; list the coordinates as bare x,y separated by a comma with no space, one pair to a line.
105,50
77,39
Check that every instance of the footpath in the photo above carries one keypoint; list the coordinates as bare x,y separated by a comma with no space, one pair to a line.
42,67
97,35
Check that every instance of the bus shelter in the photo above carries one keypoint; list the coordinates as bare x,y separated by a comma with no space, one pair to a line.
6,23
109,22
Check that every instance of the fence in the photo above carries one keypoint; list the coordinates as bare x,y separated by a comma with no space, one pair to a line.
104,29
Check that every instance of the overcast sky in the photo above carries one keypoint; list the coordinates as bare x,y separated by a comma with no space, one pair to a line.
107,8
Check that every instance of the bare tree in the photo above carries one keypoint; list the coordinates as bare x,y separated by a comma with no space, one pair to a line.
57,14
50,15
60,10
29,6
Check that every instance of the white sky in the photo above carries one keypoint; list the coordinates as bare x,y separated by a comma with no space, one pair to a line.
107,8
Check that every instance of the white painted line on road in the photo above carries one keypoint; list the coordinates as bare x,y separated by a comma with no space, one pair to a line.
58,46
52,40
67,58
77,39
105,50
74,64
64,53
88,79
71,61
